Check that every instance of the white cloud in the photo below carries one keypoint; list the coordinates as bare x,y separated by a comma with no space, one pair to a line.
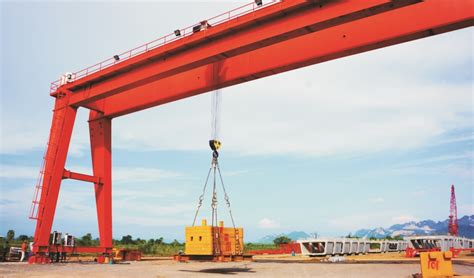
230,173
442,158
459,138
377,200
175,191
150,221
267,223
418,193
400,219
379,218
119,174
18,172
451,169
19,135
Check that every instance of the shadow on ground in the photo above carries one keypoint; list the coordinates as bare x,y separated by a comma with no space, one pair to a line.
228,270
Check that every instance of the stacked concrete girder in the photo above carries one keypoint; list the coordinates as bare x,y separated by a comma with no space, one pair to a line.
442,242
348,246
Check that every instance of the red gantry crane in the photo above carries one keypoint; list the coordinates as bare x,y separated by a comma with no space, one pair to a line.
453,214
247,43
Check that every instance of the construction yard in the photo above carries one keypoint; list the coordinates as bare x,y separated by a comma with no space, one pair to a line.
372,265
263,266
333,187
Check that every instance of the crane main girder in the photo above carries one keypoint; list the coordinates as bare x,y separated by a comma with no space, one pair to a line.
284,36
309,33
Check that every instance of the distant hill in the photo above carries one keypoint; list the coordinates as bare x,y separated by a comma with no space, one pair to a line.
425,227
293,235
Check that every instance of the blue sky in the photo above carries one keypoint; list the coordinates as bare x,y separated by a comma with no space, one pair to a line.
369,140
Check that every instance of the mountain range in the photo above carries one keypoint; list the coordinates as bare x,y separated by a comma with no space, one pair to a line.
425,227
293,235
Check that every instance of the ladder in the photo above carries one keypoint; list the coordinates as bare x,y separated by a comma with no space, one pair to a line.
49,158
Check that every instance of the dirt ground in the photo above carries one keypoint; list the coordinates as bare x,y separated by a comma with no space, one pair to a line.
168,268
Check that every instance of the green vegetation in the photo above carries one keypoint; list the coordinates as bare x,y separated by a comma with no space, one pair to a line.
351,236
259,246
10,239
10,235
281,240
151,247
399,237
377,245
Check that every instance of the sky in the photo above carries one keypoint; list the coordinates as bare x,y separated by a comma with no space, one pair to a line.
365,141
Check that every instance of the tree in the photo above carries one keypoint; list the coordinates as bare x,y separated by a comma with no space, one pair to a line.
10,235
175,243
87,239
126,239
23,237
159,241
281,240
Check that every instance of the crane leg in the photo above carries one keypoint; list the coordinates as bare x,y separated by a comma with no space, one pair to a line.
101,149
55,159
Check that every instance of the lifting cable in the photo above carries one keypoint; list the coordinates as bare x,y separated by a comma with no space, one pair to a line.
215,145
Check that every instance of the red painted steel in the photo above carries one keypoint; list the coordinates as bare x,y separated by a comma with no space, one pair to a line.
413,252
80,177
237,47
288,248
60,136
453,214
101,150
184,32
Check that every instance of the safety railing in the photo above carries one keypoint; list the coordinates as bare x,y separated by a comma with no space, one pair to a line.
176,35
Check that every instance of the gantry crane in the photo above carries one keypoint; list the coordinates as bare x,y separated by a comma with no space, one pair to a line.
253,41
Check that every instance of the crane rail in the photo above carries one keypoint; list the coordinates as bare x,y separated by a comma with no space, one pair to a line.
184,32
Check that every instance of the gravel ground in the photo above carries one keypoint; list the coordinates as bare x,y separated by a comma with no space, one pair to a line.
159,269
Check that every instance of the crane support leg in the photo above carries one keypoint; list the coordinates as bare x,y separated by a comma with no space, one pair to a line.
101,143
55,159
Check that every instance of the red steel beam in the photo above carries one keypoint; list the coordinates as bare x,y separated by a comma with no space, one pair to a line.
412,22
81,177
79,249
182,44
287,22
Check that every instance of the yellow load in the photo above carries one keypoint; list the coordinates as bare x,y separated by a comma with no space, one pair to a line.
209,240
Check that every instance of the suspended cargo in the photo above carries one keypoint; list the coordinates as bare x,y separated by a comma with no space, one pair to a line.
212,240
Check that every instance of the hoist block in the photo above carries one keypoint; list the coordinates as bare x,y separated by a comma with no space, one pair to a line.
215,145
200,240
